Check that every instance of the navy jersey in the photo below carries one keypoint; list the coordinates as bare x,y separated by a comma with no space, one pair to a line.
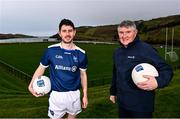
65,66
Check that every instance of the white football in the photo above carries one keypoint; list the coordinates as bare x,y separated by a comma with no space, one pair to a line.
143,69
42,85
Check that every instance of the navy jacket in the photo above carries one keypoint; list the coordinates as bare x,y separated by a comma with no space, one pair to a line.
129,96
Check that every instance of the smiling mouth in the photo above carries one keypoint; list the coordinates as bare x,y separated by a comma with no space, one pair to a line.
68,37
125,40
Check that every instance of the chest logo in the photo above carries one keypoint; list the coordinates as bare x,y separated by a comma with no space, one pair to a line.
75,59
74,68
131,57
58,57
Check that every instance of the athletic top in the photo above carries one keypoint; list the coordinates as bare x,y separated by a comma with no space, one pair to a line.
64,67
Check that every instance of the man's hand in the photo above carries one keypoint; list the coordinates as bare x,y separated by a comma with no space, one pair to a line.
113,98
150,84
33,92
39,72
84,102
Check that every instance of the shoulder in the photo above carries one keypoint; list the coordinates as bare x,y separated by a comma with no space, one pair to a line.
117,50
57,45
80,49
53,47
145,45
147,48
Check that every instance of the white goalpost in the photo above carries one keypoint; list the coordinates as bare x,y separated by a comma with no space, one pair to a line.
166,44
172,54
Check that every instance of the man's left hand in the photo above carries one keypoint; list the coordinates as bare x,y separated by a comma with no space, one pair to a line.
84,102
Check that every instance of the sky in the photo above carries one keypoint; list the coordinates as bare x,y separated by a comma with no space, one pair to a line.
42,17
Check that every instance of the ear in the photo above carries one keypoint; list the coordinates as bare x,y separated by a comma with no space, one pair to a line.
59,33
136,31
74,31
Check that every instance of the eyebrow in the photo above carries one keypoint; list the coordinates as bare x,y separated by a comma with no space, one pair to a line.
67,30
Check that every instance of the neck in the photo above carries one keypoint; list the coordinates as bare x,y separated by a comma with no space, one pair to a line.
125,46
67,46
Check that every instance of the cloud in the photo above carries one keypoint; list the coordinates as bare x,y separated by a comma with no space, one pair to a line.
44,15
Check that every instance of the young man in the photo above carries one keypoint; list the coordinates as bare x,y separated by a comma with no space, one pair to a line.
135,100
67,64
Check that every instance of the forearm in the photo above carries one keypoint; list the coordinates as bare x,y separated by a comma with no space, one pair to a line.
164,78
39,72
84,89
84,83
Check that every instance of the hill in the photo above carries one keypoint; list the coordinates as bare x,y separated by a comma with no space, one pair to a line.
152,31
7,36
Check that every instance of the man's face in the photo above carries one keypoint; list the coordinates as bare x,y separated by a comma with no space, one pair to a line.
126,35
67,33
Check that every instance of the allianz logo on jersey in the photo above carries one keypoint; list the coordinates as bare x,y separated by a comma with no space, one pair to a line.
60,67
58,57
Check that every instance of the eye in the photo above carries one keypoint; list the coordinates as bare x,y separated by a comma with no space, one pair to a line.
128,32
70,30
120,32
63,30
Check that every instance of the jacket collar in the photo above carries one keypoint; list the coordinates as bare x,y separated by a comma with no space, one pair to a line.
132,43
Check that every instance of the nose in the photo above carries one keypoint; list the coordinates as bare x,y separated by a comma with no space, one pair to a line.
123,35
67,32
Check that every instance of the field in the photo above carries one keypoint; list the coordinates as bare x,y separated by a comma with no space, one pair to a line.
26,57
16,101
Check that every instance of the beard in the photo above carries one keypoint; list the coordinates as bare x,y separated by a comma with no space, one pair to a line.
67,40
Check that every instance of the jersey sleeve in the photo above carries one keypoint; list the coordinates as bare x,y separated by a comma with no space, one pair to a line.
45,59
83,62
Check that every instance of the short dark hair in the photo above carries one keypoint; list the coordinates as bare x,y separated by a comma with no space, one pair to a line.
66,22
127,23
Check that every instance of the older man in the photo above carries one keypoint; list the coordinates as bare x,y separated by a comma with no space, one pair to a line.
135,100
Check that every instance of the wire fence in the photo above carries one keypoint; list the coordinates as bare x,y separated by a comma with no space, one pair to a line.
24,76
99,82
14,71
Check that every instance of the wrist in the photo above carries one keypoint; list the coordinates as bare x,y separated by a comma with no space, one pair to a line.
85,95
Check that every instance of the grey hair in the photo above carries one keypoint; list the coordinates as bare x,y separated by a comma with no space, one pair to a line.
127,23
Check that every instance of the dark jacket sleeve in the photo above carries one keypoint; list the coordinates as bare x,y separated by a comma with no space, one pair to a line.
113,83
165,71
